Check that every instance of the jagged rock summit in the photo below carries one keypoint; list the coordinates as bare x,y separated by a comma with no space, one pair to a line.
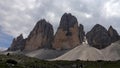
40,37
67,35
97,44
98,37
17,44
113,34
81,33
68,21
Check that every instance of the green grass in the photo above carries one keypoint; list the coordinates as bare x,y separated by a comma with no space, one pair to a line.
28,62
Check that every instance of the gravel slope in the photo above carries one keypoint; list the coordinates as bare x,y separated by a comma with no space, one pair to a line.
85,52
46,53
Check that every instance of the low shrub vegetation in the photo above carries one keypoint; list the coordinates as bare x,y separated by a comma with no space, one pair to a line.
21,61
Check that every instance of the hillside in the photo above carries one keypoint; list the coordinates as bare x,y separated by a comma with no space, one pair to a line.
86,52
46,53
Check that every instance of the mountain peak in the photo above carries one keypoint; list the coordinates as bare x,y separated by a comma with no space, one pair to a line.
67,35
67,21
98,37
41,21
98,26
81,33
113,34
17,44
19,37
110,27
41,36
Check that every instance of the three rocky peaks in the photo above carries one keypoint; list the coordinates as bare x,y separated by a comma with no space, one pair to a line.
68,35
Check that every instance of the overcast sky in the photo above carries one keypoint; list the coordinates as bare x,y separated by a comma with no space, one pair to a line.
20,16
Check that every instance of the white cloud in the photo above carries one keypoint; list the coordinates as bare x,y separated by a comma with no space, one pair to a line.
15,18
112,8
20,16
3,49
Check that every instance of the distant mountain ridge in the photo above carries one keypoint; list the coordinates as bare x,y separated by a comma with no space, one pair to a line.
68,36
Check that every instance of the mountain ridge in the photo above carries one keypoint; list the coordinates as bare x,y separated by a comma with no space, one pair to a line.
42,42
68,35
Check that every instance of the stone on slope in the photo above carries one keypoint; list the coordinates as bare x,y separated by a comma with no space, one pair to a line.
40,37
113,34
17,44
98,37
67,36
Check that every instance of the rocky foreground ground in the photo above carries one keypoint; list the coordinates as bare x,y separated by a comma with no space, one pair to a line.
21,61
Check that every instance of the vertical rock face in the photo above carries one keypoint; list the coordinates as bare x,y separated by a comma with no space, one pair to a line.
81,33
113,34
17,44
40,37
67,35
98,37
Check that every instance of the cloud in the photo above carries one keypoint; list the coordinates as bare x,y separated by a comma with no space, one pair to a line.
112,8
20,16
3,49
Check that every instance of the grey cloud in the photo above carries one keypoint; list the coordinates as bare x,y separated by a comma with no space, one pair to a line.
23,18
